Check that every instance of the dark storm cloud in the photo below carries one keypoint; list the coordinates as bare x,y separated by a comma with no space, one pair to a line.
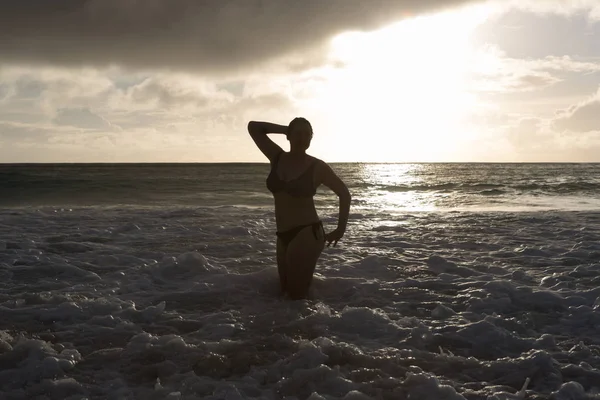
184,34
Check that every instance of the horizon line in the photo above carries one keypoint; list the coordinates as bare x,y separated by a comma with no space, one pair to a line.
266,162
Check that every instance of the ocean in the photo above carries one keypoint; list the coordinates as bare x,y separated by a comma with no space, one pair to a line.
159,281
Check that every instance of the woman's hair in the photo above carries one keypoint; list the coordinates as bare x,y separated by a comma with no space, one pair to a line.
299,120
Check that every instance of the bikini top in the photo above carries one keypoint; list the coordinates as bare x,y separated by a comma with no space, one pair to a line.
302,186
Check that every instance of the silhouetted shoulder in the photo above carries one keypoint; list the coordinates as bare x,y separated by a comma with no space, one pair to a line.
321,169
327,176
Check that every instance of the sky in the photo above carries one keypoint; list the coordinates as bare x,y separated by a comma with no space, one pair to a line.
380,81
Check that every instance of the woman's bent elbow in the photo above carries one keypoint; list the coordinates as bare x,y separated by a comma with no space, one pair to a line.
346,196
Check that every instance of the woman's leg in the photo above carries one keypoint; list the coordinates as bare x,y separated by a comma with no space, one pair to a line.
301,258
281,265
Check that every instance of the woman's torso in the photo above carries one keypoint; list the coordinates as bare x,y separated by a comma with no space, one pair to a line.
294,204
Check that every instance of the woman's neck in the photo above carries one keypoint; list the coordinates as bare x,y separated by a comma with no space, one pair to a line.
299,153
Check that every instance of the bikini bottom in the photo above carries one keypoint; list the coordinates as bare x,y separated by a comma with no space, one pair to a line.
289,235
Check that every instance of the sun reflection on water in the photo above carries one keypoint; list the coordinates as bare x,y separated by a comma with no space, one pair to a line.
392,187
464,187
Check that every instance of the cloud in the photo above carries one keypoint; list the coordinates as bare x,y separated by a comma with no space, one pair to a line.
515,81
129,117
14,131
534,139
564,63
82,118
528,133
22,142
569,135
181,92
73,97
212,35
29,134
34,93
534,81
560,7
5,92
582,117
493,71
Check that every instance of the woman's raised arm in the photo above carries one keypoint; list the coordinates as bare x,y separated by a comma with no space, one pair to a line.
259,130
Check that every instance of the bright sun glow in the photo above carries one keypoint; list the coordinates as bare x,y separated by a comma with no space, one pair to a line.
402,91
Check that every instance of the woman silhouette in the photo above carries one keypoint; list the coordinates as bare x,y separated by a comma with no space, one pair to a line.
294,179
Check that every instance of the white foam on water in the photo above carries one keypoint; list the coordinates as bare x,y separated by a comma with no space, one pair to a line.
183,303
